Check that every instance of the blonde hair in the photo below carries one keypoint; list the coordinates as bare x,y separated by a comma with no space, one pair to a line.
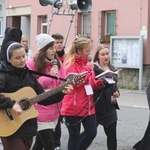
24,37
77,45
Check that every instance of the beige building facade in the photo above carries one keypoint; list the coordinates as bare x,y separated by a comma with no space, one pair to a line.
105,19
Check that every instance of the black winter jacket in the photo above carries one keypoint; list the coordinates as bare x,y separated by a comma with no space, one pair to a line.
105,110
13,79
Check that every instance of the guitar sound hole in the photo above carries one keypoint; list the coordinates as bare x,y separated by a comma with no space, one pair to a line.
24,103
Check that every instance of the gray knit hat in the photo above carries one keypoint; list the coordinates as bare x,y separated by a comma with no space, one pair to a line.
42,40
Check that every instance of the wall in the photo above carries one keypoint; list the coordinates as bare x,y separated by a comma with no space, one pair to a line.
129,78
127,11
3,16
131,17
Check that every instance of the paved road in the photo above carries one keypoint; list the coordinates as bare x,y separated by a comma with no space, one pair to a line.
130,129
133,109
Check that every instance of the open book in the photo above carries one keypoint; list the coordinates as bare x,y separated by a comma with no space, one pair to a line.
72,75
107,75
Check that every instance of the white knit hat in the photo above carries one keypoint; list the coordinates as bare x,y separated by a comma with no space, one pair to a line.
42,40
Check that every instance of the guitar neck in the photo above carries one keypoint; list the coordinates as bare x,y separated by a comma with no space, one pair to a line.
47,94
76,80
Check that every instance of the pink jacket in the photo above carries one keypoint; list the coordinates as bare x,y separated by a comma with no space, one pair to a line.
50,112
77,102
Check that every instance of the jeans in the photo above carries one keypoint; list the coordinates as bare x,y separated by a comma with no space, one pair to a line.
57,133
74,125
44,140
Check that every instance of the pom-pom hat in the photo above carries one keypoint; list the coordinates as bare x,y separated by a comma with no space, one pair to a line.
42,40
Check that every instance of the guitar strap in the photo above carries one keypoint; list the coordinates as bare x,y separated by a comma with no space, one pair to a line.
46,75
4,67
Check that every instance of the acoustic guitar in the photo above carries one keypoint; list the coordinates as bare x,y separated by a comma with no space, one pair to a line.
26,97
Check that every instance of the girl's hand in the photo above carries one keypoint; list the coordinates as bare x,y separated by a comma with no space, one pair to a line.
17,108
116,94
67,89
54,70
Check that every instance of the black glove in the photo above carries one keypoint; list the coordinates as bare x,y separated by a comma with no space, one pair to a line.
6,102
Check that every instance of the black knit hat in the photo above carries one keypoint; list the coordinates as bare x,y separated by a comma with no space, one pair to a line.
12,34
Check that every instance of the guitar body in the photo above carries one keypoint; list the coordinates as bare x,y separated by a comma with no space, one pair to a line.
8,126
26,97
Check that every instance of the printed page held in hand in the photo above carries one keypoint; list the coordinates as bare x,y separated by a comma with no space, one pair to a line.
108,75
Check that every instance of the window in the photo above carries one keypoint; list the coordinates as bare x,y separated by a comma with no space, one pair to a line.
44,24
86,24
1,24
0,7
110,23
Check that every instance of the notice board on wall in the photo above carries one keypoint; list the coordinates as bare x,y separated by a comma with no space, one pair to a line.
126,51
